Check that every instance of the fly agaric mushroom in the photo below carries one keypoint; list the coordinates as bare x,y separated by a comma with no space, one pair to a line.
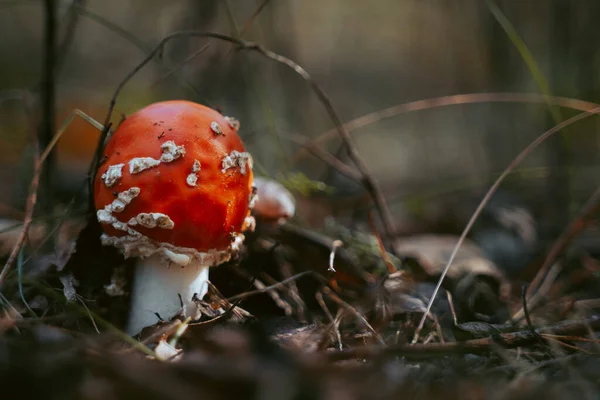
174,191
274,204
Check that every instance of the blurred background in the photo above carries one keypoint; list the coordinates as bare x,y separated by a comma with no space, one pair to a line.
433,164
439,96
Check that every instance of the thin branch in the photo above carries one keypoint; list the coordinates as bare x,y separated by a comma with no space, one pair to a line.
368,181
253,17
180,65
250,76
520,157
137,42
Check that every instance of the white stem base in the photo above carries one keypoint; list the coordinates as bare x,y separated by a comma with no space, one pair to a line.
156,289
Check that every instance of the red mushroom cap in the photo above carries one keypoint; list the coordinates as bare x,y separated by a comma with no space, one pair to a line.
176,175
274,201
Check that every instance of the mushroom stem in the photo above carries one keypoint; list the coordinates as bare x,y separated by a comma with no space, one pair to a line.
156,290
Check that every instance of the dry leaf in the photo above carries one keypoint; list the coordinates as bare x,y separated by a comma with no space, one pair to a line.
165,352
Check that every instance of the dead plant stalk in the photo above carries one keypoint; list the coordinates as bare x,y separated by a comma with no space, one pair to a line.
520,157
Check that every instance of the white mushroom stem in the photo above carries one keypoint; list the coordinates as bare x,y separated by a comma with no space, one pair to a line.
164,272
157,287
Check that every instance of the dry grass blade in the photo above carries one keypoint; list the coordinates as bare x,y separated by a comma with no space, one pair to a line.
458,99
64,127
287,273
82,301
336,299
31,198
271,287
591,207
526,55
537,298
384,255
451,305
275,296
565,345
572,338
334,323
581,221
520,157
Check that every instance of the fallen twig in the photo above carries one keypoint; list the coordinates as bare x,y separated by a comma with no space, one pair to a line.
509,340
